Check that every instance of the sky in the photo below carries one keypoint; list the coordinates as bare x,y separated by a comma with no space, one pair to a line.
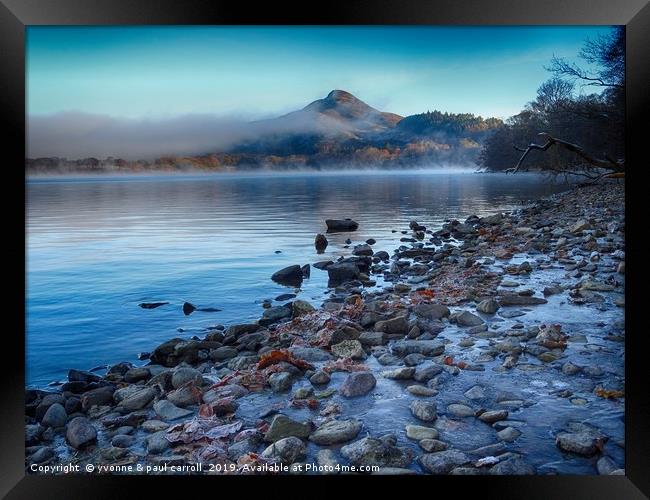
143,74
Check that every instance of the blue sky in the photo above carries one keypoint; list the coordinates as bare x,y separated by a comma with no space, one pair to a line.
253,72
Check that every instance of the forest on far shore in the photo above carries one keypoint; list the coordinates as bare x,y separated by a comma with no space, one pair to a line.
593,121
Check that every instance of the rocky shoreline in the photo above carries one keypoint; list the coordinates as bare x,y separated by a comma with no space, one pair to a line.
494,346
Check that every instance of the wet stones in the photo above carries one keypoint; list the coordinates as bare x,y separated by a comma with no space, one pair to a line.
489,417
421,390
466,318
569,368
80,433
97,397
288,450
364,249
358,384
223,353
394,326
342,272
280,381
320,243
425,347
372,338
183,375
372,451
404,373
431,311
282,427
349,349
442,462
513,466
427,372
274,314
300,308
508,434
419,432
460,410
423,410
290,276
513,299
581,439
138,399
168,411
488,306
432,445
321,377
336,431
341,225
55,416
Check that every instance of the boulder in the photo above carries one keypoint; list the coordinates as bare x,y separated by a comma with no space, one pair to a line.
287,450
80,433
336,431
55,416
423,410
442,462
341,225
282,427
349,349
358,384
376,452
291,276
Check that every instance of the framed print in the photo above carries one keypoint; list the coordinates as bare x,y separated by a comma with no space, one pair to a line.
366,241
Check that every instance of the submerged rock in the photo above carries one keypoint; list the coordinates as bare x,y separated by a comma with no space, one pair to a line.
341,225
320,243
291,276
424,410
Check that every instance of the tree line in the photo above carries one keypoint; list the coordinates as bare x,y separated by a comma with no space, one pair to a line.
564,130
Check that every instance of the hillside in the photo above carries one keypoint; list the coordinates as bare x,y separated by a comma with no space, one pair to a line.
339,130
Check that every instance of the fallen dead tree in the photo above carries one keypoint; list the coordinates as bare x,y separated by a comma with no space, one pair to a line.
594,168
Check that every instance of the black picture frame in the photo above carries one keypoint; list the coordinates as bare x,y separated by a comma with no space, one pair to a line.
15,15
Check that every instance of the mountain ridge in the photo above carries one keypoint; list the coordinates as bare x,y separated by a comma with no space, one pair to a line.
337,130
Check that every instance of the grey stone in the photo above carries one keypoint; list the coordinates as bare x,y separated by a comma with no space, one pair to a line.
371,451
336,431
320,377
281,381
404,373
138,399
442,462
287,450
419,432
55,416
183,375
423,410
80,433
488,306
466,318
358,384
168,411
282,427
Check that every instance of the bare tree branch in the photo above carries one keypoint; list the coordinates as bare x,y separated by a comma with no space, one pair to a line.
608,164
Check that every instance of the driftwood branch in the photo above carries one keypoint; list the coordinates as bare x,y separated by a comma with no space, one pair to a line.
608,163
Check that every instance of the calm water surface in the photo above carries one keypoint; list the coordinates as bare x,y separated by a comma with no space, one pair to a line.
96,248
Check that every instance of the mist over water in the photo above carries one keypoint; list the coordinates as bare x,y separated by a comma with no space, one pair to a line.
97,247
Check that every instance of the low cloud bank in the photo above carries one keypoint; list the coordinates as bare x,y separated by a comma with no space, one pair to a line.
76,135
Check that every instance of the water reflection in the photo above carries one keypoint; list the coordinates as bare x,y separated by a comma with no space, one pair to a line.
97,248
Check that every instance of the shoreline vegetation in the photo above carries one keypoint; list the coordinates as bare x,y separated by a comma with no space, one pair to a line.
468,342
